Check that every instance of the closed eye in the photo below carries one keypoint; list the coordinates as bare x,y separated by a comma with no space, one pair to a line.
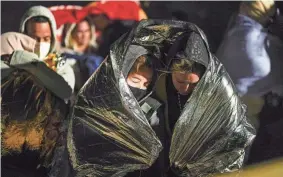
181,82
135,80
47,39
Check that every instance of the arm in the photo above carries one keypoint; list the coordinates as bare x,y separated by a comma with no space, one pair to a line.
258,62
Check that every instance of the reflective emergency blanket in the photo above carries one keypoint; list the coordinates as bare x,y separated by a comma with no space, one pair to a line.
212,132
110,136
109,133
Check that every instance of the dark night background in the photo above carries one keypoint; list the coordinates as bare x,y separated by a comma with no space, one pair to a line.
211,16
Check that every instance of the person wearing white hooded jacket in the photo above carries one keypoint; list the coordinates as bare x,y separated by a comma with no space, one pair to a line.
39,23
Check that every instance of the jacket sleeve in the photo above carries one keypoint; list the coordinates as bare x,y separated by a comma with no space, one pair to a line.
48,78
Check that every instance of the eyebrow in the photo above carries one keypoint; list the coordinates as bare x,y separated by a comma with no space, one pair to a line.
180,80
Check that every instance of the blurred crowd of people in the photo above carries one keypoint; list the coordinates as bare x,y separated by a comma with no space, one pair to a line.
104,90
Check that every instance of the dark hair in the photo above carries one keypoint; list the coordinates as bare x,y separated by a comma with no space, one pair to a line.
87,19
39,19
141,62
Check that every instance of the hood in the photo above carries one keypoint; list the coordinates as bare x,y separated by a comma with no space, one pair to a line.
67,36
171,37
40,11
191,46
133,53
12,41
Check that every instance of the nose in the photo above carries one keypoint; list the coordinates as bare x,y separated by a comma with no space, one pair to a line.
185,87
143,86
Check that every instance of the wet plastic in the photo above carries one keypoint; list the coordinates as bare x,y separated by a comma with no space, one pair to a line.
110,136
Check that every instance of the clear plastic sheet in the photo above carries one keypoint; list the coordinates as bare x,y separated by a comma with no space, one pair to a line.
110,136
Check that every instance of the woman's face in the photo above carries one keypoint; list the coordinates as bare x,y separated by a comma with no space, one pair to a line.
184,82
140,79
83,33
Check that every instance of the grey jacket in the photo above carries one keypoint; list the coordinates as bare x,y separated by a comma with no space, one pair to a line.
59,83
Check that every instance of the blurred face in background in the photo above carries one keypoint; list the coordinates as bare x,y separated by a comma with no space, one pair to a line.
82,33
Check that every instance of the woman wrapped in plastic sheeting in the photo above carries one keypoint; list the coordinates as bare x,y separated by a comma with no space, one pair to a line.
141,80
209,136
110,134
204,117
